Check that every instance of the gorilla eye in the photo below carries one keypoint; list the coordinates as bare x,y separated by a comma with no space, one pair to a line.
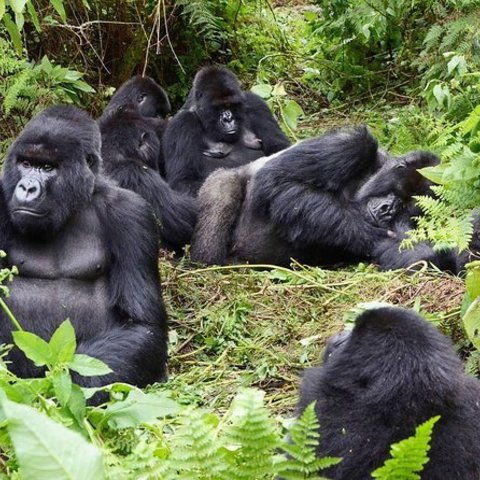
26,164
48,167
142,97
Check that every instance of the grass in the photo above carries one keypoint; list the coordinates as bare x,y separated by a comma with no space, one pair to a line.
244,326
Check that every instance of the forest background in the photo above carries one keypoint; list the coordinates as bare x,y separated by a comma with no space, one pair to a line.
408,69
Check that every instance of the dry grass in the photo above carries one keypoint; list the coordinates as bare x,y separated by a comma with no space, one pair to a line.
244,326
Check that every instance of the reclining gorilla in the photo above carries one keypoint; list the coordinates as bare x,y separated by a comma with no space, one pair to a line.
335,198
219,126
85,249
130,147
149,100
393,372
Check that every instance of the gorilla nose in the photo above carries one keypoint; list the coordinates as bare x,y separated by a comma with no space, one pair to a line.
28,190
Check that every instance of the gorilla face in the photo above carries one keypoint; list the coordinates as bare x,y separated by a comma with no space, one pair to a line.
384,210
219,102
43,168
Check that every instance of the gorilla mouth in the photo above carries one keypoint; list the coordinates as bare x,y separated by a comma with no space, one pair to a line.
29,212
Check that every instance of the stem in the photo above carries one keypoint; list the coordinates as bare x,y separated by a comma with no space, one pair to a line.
10,315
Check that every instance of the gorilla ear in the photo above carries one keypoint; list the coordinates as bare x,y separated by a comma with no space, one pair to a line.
94,161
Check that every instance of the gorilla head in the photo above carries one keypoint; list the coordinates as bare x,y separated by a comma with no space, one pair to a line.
219,102
50,169
128,136
392,372
144,95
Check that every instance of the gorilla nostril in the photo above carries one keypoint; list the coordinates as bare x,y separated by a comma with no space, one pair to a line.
28,190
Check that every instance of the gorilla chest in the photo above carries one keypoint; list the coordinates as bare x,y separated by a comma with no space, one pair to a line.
77,252
223,154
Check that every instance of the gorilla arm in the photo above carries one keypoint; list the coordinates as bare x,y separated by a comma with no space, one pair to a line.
176,211
264,124
306,191
137,347
182,148
4,223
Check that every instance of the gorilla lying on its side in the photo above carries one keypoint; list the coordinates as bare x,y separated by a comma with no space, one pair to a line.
219,126
130,148
85,250
307,202
393,372
144,96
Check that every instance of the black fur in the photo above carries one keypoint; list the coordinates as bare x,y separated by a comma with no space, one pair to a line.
130,147
148,99
313,202
197,139
394,372
85,249
144,95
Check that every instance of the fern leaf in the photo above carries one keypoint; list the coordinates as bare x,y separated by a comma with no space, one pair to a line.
408,456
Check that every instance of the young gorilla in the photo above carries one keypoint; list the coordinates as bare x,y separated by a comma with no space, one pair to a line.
130,148
302,203
393,372
144,96
85,250
219,126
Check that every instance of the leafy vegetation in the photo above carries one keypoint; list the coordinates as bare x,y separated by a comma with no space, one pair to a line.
241,336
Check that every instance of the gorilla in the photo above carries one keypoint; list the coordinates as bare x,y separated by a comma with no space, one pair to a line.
307,202
391,373
85,250
130,148
219,126
144,96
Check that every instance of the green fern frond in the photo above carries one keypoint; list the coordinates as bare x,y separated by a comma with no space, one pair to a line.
408,456
250,437
303,463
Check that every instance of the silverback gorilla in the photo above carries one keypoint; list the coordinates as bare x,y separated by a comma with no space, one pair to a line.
393,372
130,147
335,198
85,249
219,126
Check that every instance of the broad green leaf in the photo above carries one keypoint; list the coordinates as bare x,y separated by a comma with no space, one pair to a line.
34,347
58,6
263,90
62,385
435,174
472,280
140,407
291,112
471,323
12,30
77,404
33,16
63,343
46,450
2,8
18,6
88,366
19,21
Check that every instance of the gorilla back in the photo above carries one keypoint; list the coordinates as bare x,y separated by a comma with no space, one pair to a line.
86,250
391,373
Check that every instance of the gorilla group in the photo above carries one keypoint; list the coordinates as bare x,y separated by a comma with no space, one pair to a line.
86,250
335,198
393,372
